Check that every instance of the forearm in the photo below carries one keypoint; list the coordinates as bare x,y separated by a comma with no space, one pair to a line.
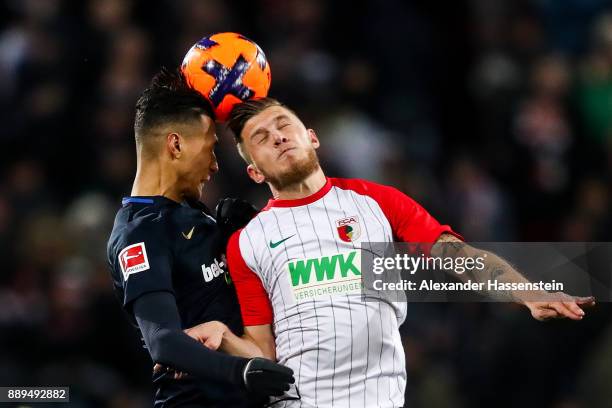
240,346
495,269
266,347
159,323
498,269
542,305
262,336
179,351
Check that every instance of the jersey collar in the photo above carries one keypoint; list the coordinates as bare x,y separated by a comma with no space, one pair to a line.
300,201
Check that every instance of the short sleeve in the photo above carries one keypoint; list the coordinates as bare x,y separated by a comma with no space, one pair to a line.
143,263
409,221
252,296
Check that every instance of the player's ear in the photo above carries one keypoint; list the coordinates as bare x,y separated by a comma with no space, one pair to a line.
314,140
255,174
173,144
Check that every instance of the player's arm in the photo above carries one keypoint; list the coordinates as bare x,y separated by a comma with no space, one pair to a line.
232,214
255,307
216,335
547,306
263,337
257,341
144,266
410,222
158,319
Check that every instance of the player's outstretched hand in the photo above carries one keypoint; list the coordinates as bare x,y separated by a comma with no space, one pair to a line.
233,214
265,377
210,334
560,305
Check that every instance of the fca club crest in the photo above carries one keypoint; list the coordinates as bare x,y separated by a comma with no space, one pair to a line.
349,229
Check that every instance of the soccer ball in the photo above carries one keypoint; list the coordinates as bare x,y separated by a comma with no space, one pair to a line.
227,68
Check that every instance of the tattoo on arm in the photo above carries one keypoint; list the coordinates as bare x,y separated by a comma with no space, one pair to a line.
450,246
496,271
495,267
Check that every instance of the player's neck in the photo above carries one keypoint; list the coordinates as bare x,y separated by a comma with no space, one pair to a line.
152,180
310,185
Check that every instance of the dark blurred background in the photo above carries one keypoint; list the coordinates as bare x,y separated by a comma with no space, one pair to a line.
495,114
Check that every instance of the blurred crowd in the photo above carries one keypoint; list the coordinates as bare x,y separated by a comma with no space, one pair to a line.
496,115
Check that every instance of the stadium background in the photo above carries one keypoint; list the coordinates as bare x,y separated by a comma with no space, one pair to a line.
495,115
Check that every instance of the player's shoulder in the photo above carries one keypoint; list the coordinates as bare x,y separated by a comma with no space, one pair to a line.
234,239
145,225
145,221
252,236
361,186
259,221
247,235
241,247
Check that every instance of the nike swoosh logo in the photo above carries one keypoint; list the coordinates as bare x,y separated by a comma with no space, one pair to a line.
189,234
275,244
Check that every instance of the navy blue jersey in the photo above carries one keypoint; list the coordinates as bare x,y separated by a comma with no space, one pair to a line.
160,245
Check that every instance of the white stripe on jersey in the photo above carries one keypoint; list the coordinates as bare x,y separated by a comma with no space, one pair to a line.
345,352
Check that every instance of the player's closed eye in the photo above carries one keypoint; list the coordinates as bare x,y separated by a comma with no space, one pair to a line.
262,138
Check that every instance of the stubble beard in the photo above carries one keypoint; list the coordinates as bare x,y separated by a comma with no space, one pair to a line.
299,172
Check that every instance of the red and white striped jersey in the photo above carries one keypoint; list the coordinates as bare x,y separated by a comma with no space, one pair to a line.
296,266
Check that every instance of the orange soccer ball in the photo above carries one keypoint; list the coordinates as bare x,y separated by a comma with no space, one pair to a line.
227,68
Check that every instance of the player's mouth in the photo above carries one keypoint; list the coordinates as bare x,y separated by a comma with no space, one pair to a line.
285,151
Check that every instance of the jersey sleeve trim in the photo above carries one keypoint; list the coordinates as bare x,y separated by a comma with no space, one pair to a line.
253,299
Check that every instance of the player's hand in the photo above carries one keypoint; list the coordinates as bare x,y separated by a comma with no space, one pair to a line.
210,334
560,305
265,377
233,214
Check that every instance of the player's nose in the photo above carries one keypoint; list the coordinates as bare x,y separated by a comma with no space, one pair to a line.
279,138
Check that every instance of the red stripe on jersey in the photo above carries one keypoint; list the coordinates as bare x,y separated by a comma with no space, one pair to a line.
409,221
300,201
253,298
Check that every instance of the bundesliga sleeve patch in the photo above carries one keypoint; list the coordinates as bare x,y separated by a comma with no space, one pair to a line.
133,259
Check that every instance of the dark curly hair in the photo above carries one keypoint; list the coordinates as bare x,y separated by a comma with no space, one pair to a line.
168,98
